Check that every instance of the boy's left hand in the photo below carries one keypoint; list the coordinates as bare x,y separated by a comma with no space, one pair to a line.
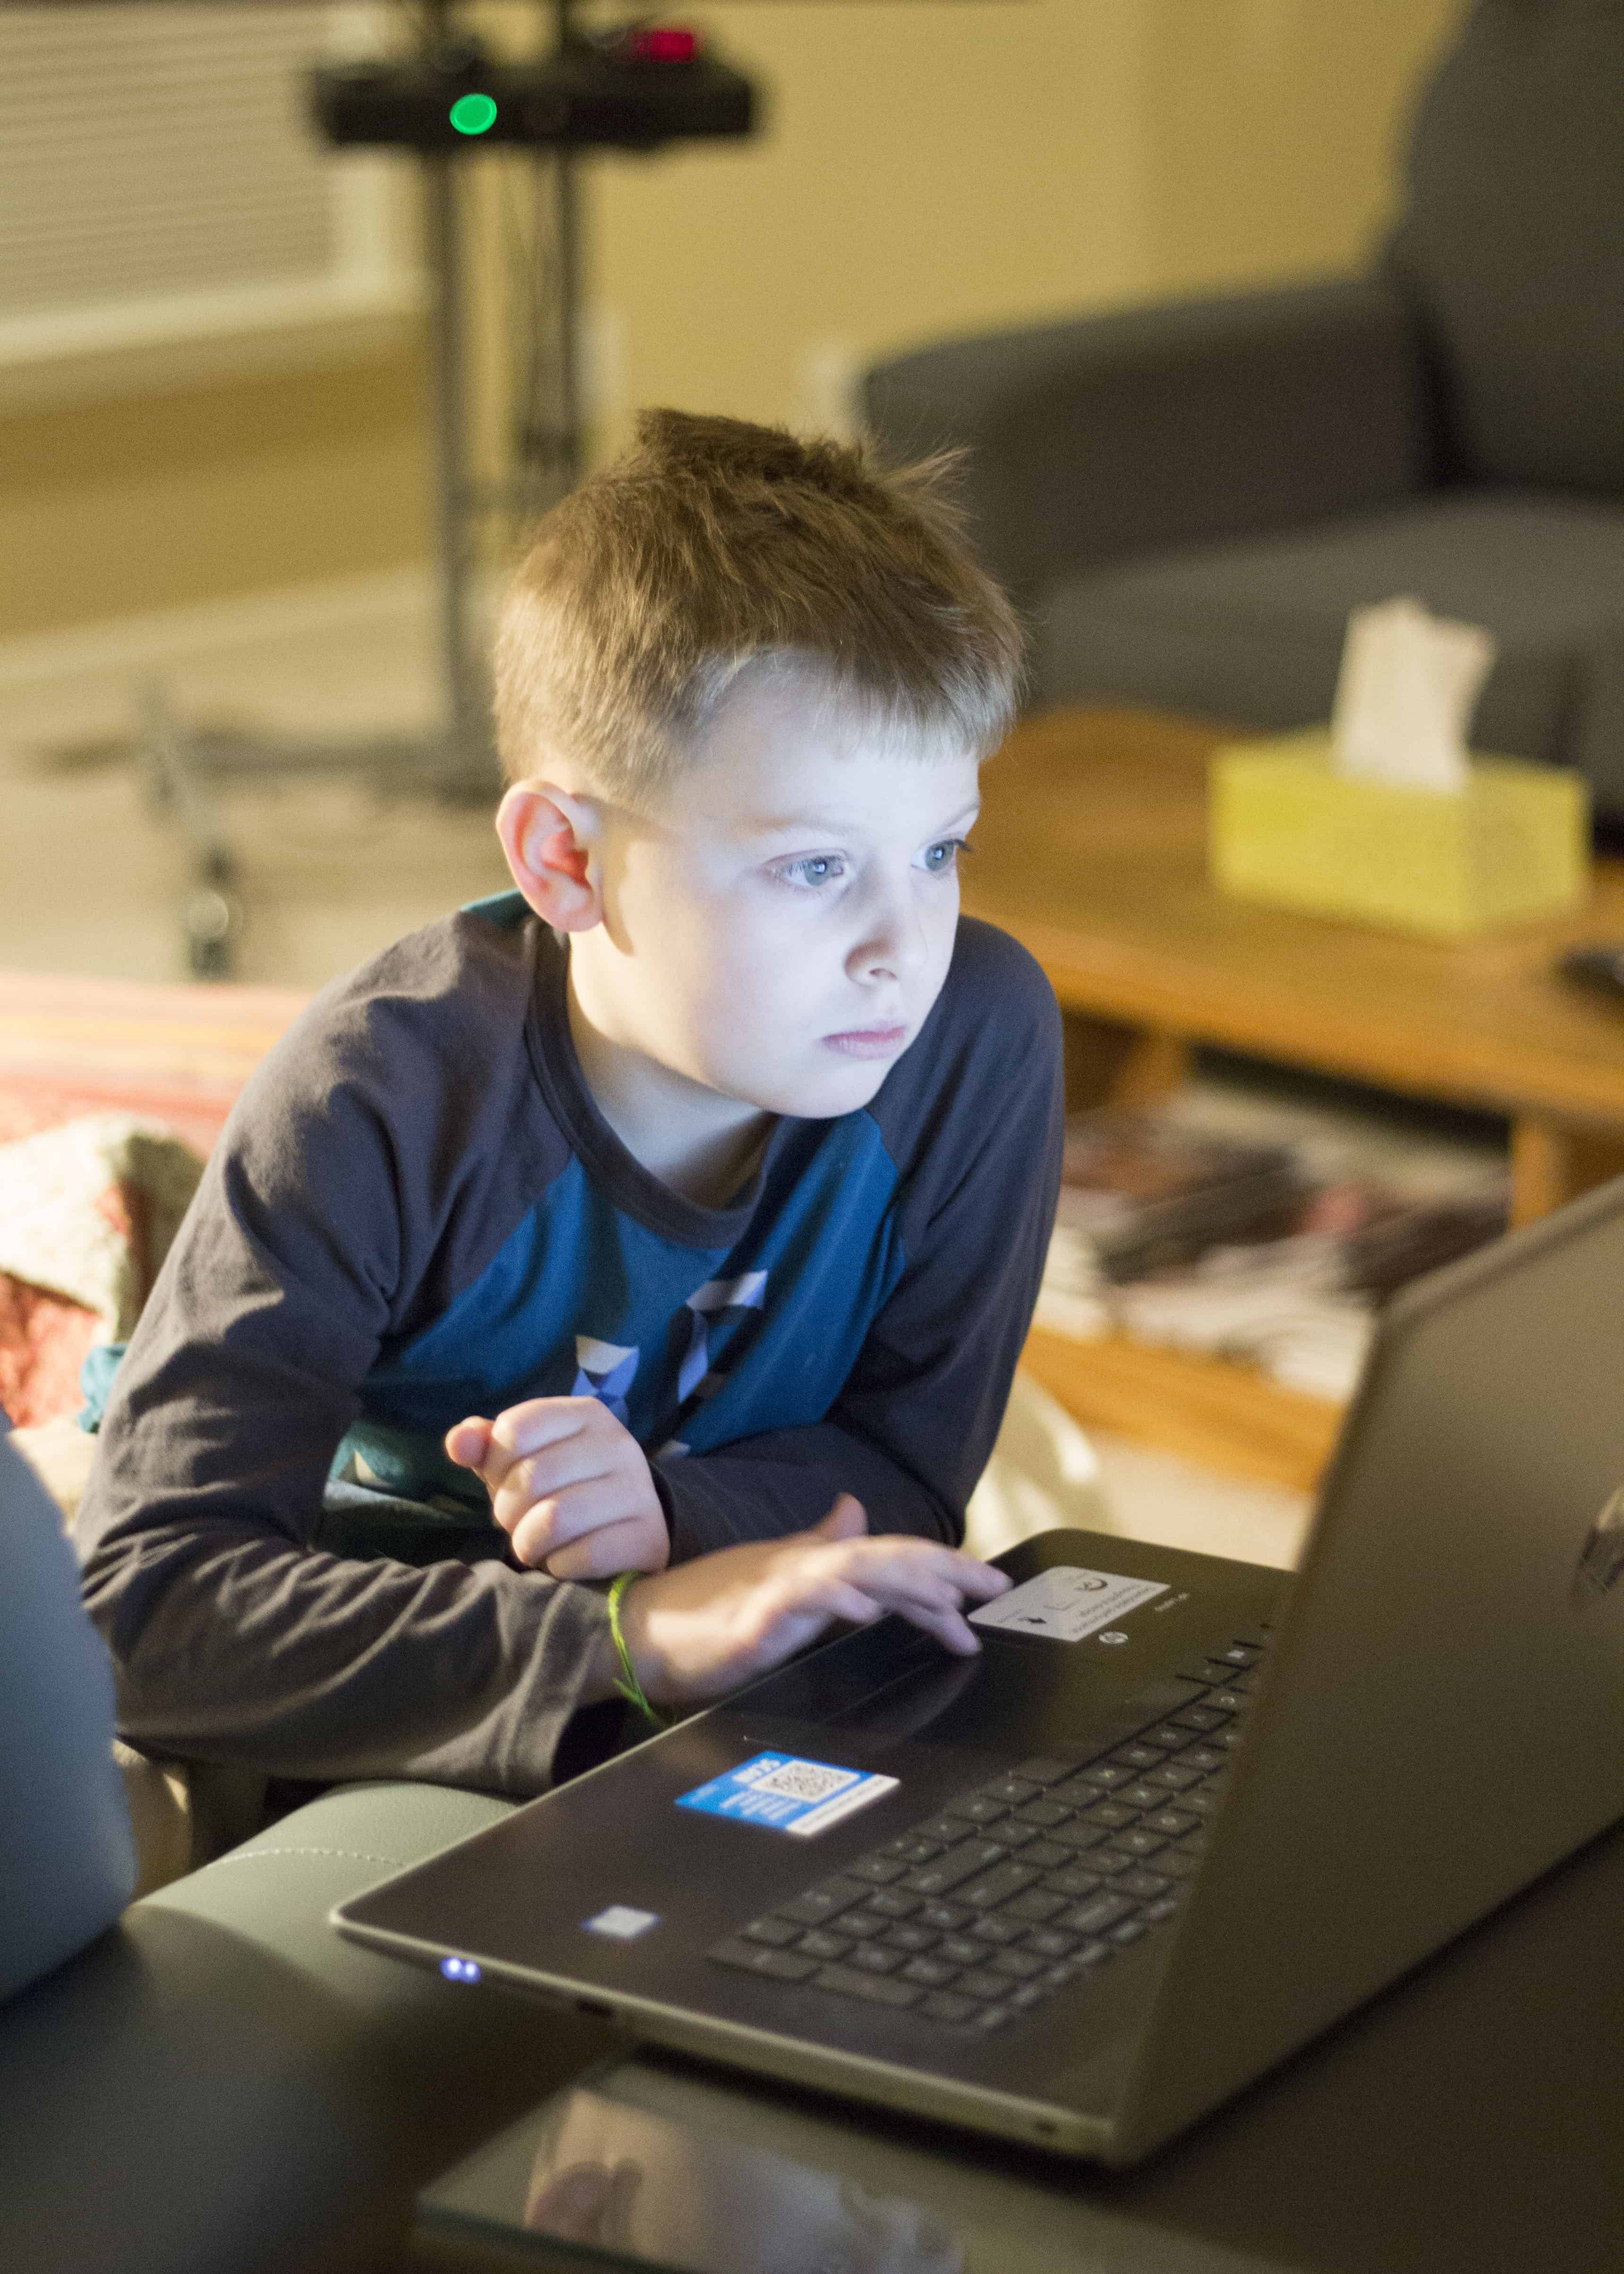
569,1485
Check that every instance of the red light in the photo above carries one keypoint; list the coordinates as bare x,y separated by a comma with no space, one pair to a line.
657,45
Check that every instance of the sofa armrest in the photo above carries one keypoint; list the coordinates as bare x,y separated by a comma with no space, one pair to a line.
221,2084
1150,427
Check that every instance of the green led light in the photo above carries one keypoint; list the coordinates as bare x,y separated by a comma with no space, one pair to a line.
473,114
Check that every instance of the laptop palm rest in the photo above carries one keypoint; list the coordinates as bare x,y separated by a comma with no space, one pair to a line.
890,1684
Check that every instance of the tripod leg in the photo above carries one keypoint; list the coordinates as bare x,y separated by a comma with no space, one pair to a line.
211,913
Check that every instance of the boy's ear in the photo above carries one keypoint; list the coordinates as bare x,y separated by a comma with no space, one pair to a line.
548,833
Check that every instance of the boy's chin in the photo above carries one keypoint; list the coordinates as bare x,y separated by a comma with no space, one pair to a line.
824,1092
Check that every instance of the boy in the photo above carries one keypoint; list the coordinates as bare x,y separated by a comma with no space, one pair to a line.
716,1163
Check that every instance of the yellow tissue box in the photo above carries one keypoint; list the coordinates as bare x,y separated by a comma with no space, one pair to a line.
1285,827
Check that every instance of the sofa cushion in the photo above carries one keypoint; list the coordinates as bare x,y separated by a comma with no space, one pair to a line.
1511,251
221,2085
1167,425
1253,630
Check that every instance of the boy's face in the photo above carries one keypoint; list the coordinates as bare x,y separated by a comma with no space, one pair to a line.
778,930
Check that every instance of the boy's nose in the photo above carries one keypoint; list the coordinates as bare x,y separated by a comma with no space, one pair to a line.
893,943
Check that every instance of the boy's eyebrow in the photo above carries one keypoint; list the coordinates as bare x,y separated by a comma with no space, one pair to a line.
791,824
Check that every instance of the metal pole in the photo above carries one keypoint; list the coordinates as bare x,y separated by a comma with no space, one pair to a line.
569,288
569,317
469,756
548,443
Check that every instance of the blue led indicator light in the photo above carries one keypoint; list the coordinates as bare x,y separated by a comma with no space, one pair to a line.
460,1969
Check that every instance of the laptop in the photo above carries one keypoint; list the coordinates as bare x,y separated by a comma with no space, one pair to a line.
1179,1816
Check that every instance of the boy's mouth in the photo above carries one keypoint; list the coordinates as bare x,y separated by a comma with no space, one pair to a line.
868,1041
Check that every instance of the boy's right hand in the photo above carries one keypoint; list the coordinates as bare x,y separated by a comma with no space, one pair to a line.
569,1485
705,1628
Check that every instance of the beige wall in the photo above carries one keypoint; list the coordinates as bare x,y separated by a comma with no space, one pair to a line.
924,169
935,167
111,508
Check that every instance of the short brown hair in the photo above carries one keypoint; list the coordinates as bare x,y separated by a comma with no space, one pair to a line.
712,546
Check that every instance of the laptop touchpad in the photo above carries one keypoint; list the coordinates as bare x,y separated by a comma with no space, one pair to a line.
893,1684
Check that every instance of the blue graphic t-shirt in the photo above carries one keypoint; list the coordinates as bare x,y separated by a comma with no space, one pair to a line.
417,1213
693,1336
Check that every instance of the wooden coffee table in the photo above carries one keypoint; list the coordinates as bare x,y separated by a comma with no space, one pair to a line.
1092,851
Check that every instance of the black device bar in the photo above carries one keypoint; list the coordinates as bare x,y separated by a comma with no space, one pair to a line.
582,97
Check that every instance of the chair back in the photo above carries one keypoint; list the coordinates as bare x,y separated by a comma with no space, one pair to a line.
1511,249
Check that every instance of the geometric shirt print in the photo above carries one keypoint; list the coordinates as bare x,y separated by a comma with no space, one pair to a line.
696,1377
606,1370
603,1370
747,1292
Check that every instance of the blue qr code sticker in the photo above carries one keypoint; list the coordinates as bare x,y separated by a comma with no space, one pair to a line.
782,1793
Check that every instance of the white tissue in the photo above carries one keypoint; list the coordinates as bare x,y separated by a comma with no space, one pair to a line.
1405,694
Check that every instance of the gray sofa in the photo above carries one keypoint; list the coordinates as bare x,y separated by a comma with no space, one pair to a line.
1189,499
209,2081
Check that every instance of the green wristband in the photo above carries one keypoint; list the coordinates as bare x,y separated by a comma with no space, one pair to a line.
629,1687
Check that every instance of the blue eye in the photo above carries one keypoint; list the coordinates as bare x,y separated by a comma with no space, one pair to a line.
817,868
940,858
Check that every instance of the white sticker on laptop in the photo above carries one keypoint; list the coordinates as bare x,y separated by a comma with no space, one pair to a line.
783,1794
621,1923
1067,1602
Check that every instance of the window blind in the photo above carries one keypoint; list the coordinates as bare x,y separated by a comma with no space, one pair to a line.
156,162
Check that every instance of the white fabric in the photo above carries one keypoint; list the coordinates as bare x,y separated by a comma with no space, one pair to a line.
1043,1472
56,1227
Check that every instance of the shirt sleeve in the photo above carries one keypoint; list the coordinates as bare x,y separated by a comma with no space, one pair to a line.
235,1636
982,1123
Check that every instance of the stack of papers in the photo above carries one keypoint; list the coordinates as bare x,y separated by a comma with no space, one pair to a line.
1277,1245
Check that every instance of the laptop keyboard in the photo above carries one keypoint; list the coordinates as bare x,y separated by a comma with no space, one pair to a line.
1026,1883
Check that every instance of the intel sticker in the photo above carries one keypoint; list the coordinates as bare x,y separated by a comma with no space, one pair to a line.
786,1794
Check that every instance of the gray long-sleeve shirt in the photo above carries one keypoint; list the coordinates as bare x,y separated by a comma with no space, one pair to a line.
417,1213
